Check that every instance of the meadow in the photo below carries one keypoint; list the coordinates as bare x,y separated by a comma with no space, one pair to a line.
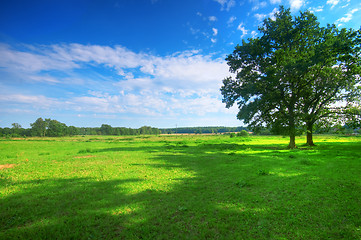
180,187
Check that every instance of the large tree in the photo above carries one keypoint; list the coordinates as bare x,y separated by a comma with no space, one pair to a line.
277,73
332,92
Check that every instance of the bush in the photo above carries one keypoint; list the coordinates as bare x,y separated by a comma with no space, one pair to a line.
243,133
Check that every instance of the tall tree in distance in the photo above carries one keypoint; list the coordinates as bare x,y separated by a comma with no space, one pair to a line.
279,77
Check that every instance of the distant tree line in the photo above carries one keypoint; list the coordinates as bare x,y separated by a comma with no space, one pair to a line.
52,128
202,130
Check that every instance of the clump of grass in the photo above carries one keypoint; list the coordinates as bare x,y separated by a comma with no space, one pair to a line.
292,156
306,162
263,172
43,154
88,150
243,183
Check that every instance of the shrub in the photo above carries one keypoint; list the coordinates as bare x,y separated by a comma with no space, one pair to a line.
243,133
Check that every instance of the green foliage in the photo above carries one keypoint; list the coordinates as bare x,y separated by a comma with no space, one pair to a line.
243,133
290,76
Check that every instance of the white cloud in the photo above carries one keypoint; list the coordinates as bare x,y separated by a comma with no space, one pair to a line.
242,29
316,9
226,4
37,101
254,34
333,3
348,17
231,20
212,18
259,5
261,17
215,31
275,1
296,4
31,62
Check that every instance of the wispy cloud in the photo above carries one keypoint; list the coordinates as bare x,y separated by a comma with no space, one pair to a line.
333,3
275,1
215,31
296,4
258,5
39,101
261,17
212,18
348,17
231,20
242,29
226,4
316,9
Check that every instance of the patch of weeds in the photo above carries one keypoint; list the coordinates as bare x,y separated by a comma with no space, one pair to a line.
44,154
307,162
182,144
182,208
243,183
232,153
263,172
88,150
292,156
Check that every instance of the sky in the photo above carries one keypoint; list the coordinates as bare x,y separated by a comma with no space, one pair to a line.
132,63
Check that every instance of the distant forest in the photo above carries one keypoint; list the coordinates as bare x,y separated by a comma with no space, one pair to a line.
53,128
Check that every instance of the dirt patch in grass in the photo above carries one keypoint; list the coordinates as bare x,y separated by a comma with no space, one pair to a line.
87,156
7,166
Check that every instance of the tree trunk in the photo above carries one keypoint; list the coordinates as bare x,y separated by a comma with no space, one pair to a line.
309,135
292,143
292,132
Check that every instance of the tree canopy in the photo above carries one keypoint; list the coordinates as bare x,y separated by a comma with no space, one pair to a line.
294,74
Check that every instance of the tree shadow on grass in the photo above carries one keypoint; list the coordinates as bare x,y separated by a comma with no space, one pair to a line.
222,196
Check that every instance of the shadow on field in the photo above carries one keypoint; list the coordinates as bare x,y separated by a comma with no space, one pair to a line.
234,191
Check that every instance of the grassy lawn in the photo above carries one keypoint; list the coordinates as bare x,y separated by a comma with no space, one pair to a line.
180,187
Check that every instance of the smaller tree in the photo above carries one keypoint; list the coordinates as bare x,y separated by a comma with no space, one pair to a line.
38,128
106,129
56,128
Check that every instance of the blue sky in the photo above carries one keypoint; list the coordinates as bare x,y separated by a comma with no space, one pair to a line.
131,62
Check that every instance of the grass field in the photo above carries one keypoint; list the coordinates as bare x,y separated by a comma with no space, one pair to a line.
180,187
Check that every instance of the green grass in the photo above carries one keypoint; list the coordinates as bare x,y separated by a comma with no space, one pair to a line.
180,187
